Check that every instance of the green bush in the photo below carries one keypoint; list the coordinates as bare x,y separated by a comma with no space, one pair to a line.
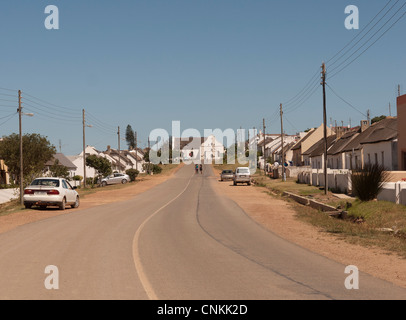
156,169
133,173
77,178
368,182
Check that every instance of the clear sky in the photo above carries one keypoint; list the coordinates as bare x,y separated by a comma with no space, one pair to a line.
208,63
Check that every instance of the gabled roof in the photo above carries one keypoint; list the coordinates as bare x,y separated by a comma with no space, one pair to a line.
63,161
319,148
342,142
299,144
286,148
383,130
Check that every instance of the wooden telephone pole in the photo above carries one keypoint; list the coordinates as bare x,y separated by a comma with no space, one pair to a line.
323,78
283,151
263,124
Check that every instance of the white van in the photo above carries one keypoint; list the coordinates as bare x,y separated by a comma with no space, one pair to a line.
242,175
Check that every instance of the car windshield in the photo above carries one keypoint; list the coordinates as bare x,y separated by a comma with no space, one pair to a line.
244,170
54,183
227,171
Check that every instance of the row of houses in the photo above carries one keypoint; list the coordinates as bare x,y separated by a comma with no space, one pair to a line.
120,161
382,143
348,148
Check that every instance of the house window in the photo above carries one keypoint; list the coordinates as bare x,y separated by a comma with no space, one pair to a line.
376,158
369,158
356,162
383,158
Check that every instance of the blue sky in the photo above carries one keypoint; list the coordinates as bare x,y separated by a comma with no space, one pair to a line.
208,63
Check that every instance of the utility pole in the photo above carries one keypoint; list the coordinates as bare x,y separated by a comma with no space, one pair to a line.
149,152
369,117
325,127
398,90
283,151
263,123
84,149
136,152
21,148
390,111
119,158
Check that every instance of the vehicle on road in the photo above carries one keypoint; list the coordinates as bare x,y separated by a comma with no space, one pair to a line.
116,178
227,175
242,175
47,192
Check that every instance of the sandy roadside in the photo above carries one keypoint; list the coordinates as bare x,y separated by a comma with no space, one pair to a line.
279,217
98,198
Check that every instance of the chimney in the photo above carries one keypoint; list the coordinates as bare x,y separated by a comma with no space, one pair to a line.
108,148
364,125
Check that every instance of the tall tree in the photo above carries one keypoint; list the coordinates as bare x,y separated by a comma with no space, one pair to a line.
59,170
37,150
130,137
100,164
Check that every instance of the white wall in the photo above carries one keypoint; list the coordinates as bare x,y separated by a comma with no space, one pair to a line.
378,149
394,192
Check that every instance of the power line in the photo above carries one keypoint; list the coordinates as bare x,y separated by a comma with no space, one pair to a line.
304,100
361,34
356,58
10,90
9,118
67,117
73,110
312,79
345,101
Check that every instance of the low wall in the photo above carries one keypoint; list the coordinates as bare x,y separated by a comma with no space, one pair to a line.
395,176
338,180
393,192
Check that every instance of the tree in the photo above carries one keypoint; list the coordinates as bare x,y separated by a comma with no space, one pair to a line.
59,170
377,119
100,164
132,173
37,150
130,137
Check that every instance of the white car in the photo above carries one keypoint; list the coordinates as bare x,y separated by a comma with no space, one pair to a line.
242,175
45,192
116,178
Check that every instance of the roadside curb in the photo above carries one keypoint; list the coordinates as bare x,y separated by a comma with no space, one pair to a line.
311,203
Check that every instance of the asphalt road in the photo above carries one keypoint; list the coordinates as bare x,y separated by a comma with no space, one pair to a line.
179,240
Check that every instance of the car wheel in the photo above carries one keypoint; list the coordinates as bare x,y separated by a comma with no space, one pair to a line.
42,207
235,183
248,183
28,206
124,181
104,183
77,203
62,206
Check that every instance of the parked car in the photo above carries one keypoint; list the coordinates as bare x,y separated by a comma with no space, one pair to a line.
227,175
44,192
242,175
115,178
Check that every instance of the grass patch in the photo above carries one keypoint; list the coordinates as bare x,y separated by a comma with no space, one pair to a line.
363,224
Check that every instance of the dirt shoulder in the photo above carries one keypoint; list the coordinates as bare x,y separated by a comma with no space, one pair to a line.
99,197
279,216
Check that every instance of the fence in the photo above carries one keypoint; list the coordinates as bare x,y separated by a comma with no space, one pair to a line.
394,192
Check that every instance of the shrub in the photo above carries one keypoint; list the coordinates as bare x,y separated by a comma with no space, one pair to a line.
77,178
368,182
156,169
133,173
